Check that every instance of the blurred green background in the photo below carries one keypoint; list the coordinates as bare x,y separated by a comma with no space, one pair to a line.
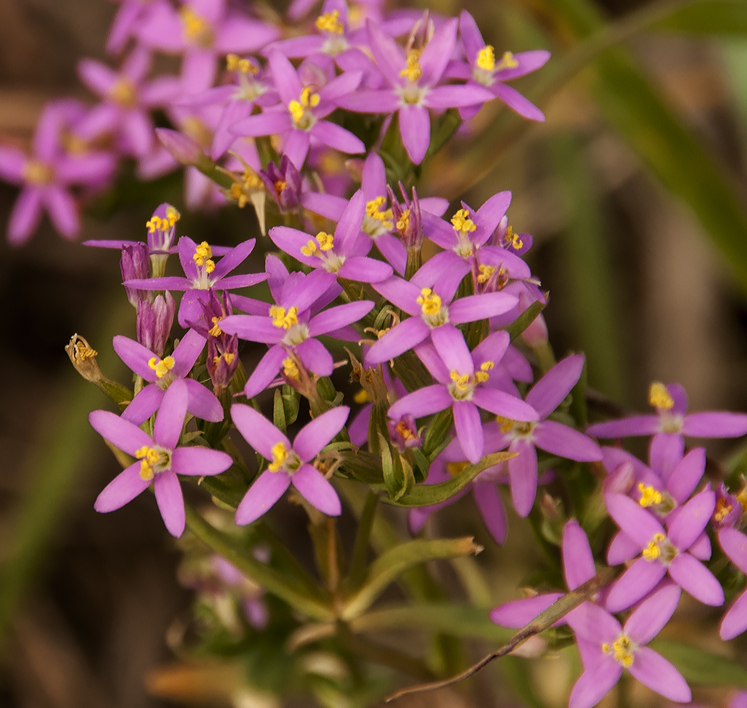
634,190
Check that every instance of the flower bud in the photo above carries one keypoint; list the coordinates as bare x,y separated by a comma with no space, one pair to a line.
283,184
408,219
182,148
134,264
161,229
404,433
154,321
728,512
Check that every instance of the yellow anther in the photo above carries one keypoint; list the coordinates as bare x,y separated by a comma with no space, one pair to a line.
653,550
279,456
413,70
375,210
161,366
172,215
622,651
290,368
482,375
723,509
330,22
649,495
429,302
326,241
37,173
85,351
309,98
508,61
236,192
196,28
606,648
228,356
310,248
296,110
506,425
280,186
462,223
455,468
485,272
215,330
282,318
235,63
486,58
461,382
659,396
149,457
362,396
203,252
123,93
404,220
513,238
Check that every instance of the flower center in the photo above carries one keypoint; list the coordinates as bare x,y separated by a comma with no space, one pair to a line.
282,318
235,63
37,173
377,220
330,22
723,509
321,246
197,30
485,273
660,548
430,304
516,428
152,461
622,650
486,58
283,459
215,330
161,366
123,93
659,397
300,110
649,496
512,239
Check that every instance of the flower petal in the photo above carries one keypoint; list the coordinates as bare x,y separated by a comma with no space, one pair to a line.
119,432
257,431
548,393
654,671
490,506
519,613
262,495
469,429
649,618
422,402
144,405
319,432
578,561
735,620
635,583
522,472
122,489
170,502
317,490
693,576
199,461
561,440
595,684
692,519
170,417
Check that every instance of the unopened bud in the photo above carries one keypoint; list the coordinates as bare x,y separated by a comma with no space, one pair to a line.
134,264
83,358
182,148
154,321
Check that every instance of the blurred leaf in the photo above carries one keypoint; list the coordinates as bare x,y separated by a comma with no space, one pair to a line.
453,619
387,567
700,666
517,327
430,494
726,17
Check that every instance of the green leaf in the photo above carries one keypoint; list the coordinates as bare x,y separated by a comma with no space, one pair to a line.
430,494
387,567
279,411
517,327
452,619
702,667
437,431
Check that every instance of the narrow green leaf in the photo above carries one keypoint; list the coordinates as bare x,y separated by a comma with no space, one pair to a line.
430,494
517,327
278,412
700,666
385,569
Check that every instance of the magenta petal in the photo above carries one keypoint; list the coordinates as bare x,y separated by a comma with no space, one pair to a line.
622,548
665,452
262,495
625,427
591,623
257,430
317,490
315,357
422,402
693,576
265,372
187,351
635,583
453,350
519,613
296,146
469,430
319,432
202,403
701,547
96,76
470,34
268,123
170,417
735,620
365,270
734,544
25,217
199,461
504,404
490,506
339,316
170,502
595,684
516,102
285,77
654,671
135,355
144,405
63,211
686,475
122,489
371,101
233,258
692,518
715,425
253,328
120,433
563,441
522,472
635,521
337,137
457,96
400,293
578,561
400,339
649,618
548,393
388,55
415,128
480,307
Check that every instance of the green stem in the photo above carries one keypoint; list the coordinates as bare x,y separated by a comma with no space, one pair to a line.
363,540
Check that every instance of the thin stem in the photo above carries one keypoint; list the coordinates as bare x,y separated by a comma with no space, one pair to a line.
540,623
362,540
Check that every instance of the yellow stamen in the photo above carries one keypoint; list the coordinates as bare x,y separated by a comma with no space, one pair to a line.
461,382
462,223
235,63
172,215
413,70
149,458
202,257
649,495
330,22
486,58
196,28
308,99
723,509
290,368
362,396
161,366
653,550
37,173
659,396
622,651
279,456
513,238
404,220
283,319
215,330
228,356
506,425
375,210
123,93
482,375
508,61
296,110
485,272
323,242
429,302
